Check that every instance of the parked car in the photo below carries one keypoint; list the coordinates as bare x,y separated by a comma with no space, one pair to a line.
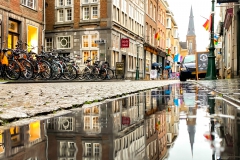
188,68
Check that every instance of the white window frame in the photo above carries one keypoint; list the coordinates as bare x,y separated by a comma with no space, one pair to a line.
69,41
60,12
92,12
85,16
26,3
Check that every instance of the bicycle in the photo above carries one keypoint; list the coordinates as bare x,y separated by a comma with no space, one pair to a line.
8,68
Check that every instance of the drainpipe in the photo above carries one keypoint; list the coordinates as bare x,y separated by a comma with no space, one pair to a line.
44,23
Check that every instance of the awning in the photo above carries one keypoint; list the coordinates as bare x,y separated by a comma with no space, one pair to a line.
228,18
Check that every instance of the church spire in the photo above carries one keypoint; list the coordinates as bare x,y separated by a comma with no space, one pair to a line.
191,29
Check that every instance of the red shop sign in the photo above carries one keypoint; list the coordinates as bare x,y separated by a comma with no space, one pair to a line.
126,120
124,43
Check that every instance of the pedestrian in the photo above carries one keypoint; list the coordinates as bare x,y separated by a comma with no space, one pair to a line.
168,68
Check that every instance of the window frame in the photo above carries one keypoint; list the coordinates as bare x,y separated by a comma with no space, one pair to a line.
26,4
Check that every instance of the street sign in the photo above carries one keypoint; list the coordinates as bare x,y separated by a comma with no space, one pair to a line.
100,41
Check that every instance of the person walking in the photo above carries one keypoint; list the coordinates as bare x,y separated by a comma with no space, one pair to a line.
168,68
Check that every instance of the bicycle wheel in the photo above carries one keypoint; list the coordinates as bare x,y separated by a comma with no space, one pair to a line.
103,73
57,70
110,73
26,68
45,70
13,70
69,71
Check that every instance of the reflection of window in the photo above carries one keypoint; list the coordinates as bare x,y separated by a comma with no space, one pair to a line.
65,124
92,151
15,136
1,142
91,118
67,150
34,131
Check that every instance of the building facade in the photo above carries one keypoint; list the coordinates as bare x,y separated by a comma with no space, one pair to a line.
22,20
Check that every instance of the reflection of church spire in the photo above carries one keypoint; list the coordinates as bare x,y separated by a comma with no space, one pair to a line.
191,122
191,132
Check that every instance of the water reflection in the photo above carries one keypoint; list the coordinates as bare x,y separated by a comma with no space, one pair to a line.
164,123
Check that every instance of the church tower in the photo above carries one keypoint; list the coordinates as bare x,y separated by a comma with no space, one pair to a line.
191,37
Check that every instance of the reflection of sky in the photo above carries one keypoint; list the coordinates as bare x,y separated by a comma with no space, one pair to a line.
201,148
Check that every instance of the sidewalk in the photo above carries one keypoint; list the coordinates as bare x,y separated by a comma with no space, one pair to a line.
228,89
23,100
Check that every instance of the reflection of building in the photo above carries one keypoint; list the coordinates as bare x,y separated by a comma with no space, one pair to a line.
172,114
112,130
229,129
24,142
150,126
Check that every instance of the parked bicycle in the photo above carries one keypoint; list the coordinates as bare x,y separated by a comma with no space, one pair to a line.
8,68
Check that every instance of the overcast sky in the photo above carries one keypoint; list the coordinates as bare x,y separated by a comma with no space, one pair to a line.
201,8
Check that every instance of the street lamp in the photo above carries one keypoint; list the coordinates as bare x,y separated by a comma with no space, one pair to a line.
137,67
211,68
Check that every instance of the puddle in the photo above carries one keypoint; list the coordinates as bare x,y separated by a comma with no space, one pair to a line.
166,123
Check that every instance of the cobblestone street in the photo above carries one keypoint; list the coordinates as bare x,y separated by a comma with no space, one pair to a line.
22,100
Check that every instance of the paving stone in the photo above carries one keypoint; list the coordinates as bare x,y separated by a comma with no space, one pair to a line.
21,100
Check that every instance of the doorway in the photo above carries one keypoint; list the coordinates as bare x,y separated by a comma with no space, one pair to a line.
124,60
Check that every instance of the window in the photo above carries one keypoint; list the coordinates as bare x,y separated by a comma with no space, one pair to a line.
29,3
60,15
64,42
48,44
69,14
64,10
146,6
154,13
151,9
94,12
60,2
85,13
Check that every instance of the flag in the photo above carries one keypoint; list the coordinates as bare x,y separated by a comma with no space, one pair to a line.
176,58
206,25
215,39
157,36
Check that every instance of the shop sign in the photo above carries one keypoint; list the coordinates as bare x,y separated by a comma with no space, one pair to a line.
125,120
124,43
120,68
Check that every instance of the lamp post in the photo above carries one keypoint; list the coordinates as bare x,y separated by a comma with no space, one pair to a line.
211,68
137,68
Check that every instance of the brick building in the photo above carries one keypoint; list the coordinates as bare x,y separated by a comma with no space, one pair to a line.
21,20
75,26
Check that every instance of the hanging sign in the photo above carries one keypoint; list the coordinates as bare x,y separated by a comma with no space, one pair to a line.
124,43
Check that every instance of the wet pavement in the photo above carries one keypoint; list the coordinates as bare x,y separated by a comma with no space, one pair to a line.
168,122
24,100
